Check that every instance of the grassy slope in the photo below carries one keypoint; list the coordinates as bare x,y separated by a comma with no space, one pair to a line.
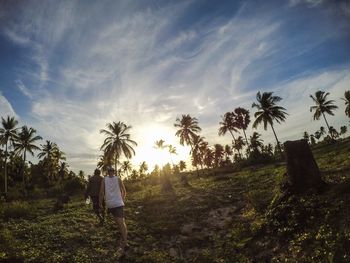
219,218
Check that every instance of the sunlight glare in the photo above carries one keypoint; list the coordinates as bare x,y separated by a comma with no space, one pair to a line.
147,151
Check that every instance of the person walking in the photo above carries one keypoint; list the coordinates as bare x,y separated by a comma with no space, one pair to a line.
113,192
93,191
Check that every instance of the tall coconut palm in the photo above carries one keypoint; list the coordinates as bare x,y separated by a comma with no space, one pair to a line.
322,106
218,154
197,145
209,158
48,151
7,135
268,112
228,124
256,144
242,120
188,129
347,102
118,142
25,142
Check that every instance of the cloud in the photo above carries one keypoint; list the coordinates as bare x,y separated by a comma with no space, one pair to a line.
23,89
6,108
148,65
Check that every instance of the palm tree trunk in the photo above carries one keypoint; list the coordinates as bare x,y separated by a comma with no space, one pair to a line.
329,131
5,173
23,166
278,143
245,136
235,142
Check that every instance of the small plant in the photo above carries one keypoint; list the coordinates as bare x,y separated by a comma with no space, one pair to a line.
16,209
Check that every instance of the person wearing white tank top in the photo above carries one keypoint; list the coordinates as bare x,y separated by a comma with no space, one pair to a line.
113,192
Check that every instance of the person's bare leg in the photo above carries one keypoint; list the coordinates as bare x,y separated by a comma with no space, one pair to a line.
123,230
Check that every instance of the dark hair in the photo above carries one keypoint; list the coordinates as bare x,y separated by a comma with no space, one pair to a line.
97,172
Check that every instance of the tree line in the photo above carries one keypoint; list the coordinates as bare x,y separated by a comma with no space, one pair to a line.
118,144
17,143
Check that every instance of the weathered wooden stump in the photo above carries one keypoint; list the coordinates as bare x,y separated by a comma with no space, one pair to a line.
302,169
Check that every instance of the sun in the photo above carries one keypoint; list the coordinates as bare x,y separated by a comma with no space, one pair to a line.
146,150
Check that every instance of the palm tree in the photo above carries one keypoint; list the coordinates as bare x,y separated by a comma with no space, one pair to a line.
197,146
126,167
347,102
268,112
228,124
317,135
143,168
306,136
188,129
228,152
48,151
182,165
242,120
343,130
256,144
25,141
238,145
218,154
333,132
104,161
117,142
322,106
172,150
209,158
312,139
7,134
322,131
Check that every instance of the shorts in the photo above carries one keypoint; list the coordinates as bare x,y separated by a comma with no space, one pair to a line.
117,212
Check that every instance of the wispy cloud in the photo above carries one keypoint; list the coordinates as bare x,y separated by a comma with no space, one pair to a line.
6,108
23,89
147,65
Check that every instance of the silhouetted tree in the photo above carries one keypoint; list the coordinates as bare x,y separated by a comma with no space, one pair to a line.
117,142
322,106
188,129
7,135
347,102
268,112
25,142
242,120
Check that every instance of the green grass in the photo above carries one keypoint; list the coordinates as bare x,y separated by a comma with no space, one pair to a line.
218,218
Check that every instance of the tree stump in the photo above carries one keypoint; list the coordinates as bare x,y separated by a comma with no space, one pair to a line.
302,169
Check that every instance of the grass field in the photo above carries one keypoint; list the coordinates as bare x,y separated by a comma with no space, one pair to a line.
220,217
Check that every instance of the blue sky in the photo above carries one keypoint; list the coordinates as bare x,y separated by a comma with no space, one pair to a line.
69,67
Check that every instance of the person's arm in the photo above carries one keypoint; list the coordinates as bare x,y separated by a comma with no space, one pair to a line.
122,188
102,192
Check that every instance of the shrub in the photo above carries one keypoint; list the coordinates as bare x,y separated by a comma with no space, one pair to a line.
260,199
74,186
165,184
16,209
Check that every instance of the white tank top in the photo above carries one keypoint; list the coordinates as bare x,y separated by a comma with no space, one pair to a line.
112,192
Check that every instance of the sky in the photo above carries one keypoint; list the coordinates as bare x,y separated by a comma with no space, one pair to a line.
67,68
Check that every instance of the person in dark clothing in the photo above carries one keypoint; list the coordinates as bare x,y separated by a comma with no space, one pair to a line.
93,191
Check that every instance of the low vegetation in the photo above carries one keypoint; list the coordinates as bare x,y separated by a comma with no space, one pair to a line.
222,216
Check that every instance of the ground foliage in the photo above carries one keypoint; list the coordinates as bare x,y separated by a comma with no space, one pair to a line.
219,216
